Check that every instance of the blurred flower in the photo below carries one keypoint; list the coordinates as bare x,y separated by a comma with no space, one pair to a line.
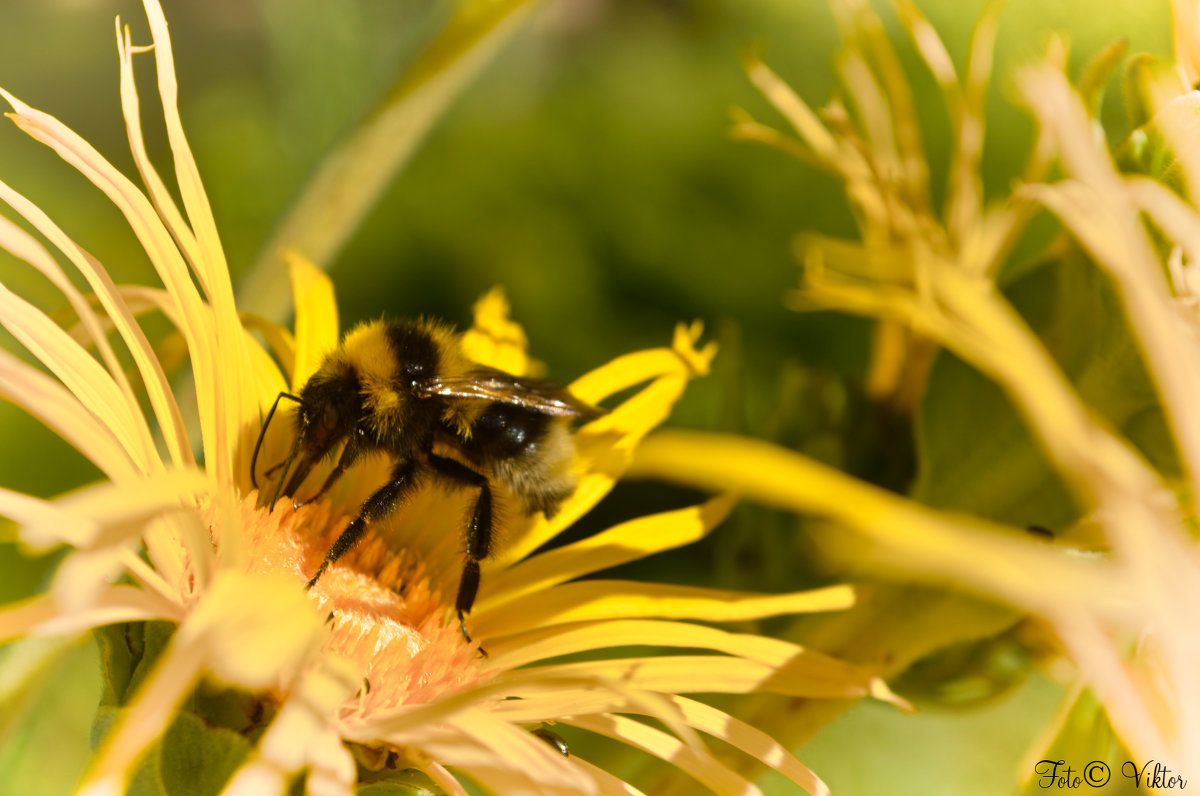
1126,619
368,670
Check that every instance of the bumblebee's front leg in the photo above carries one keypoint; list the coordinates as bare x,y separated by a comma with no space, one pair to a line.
379,505
479,532
349,457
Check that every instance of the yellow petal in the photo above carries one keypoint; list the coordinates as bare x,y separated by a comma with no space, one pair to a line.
806,674
521,751
494,339
628,541
158,390
82,375
103,514
47,400
235,401
302,736
167,261
280,342
45,616
702,766
511,653
752,741
604,446
316,316
255,627
164,203
993,559
23,246
607,599
608,784
501,757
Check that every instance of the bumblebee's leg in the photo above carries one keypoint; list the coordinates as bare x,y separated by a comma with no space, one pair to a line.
348,457
379,505
479,532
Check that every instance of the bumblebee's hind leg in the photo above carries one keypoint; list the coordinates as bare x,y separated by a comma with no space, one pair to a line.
380,504
479,532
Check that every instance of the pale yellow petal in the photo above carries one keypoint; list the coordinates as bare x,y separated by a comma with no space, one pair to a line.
990,558
121,316
48,401
607,784
167,261
466,752
103,514
523,752
83,574
444,779
280,342
302,735
233,400
45,616
255,628
606,599
164,203
802,118
752,741
82,375
22,245
239,402
703,767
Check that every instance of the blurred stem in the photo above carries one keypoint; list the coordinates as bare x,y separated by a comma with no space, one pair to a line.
980,556
348,182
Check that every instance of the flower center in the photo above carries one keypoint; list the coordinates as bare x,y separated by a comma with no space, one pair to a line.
385,612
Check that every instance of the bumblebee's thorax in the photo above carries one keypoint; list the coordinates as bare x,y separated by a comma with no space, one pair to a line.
388,359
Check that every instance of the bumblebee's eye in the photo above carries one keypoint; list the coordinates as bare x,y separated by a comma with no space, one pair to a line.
329,419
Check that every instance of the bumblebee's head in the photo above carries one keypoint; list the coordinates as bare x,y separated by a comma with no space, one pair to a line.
330,409
329,413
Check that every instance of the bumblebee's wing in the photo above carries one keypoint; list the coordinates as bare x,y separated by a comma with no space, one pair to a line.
496,385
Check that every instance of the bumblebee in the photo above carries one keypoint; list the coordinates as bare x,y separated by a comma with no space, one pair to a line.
405,389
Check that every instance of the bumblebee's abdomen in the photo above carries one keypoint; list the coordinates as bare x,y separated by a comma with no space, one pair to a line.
529,452
504,431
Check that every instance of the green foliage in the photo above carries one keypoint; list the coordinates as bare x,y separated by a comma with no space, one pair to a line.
404,783
193,758
48,694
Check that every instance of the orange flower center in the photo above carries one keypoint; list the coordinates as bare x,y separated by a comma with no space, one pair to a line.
385,611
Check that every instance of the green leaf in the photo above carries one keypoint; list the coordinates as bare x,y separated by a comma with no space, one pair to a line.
1085,742
198,759
351,178
44,729
119,651
127,652
409,782
193,758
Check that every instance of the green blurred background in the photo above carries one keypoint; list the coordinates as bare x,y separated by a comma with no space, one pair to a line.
589,171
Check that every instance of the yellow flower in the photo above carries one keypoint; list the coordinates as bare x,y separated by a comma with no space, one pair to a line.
368,669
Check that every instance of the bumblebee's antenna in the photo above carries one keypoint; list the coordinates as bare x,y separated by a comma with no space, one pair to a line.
287,465
263,433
